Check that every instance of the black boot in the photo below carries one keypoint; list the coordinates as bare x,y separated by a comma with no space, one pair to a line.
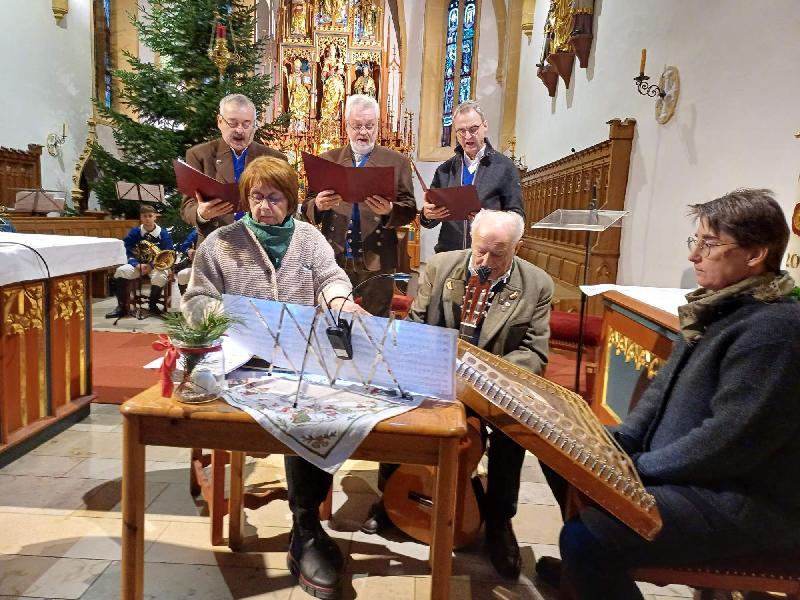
377,520
155,296
501,543
316,561
120,288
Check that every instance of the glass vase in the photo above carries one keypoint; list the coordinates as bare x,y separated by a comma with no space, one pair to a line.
200,373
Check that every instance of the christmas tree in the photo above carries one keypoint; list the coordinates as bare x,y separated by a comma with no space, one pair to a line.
174,102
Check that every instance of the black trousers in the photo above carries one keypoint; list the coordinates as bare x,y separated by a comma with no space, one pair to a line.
504,471
308,486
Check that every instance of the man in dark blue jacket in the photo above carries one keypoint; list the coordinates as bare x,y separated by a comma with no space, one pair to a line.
148,231
716,436
475,163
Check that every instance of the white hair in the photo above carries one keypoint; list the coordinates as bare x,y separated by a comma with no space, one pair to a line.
468,105
512,222
238,100
361,101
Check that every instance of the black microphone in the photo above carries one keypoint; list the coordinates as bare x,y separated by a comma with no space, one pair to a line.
340,334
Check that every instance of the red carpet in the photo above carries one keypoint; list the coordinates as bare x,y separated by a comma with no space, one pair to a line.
117,359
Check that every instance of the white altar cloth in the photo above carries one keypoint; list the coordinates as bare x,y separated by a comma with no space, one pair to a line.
666,299
64,254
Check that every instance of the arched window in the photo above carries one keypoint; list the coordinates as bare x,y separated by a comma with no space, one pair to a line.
459,60
102,51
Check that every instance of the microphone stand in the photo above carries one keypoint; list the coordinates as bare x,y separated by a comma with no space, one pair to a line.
593,220
344,329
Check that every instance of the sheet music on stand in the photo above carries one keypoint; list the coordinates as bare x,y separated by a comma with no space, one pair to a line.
38,200
590,220
385,351
140,192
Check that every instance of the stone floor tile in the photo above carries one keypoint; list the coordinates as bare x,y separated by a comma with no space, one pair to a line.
42,466
47,495
66,536
537,524
48,577
82,444
198,582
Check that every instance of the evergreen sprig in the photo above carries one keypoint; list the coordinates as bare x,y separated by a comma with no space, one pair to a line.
213,325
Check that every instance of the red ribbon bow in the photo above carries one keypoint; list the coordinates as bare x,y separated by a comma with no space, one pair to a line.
168,365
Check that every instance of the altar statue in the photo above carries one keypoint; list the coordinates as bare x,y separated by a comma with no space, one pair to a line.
333,93
298,19
365,84
334,10
298,85
367,14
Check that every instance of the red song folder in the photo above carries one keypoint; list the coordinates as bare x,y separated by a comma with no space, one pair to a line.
353,184
190,180
461,201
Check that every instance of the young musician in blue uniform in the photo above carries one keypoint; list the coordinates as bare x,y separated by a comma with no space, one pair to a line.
147,231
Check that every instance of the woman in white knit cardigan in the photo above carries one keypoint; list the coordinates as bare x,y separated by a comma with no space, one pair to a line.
269,254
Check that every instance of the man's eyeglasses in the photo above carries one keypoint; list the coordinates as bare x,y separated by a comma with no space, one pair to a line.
235,124
258,199
472,131
368,128
704,247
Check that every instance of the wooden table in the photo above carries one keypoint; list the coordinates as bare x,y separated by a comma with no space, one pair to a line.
427,435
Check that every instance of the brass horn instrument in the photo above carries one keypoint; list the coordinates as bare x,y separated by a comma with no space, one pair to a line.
148,252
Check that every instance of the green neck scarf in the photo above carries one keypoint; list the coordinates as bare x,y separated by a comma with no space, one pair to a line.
695,316
273,238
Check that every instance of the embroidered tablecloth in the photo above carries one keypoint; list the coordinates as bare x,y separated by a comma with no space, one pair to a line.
326,423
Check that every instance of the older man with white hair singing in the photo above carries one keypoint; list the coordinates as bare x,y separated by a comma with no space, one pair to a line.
516,327
363,235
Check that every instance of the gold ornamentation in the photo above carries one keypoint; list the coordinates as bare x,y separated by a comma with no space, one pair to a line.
28,313
633,352
91,137
69,299
562,26
362,56
60,9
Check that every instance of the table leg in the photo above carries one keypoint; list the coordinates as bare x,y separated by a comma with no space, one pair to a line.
236,501
132,578
217,505
444,499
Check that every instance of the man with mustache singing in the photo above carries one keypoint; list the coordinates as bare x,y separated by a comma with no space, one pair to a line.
363,235
224,159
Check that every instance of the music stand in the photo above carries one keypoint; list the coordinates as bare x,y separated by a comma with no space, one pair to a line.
590,220
151,193
37,200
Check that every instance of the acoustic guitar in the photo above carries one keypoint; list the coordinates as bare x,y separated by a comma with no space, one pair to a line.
408,494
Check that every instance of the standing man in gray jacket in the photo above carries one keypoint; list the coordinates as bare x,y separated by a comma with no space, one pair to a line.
476,163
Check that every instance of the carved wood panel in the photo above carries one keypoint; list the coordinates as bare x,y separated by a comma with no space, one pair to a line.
567,184
19,169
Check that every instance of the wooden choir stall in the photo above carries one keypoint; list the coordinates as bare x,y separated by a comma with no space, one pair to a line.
45,353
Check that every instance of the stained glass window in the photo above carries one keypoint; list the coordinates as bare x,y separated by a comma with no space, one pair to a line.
107,80
458,68
451,46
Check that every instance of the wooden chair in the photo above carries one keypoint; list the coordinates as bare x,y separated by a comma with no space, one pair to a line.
212,488
564,330
768,573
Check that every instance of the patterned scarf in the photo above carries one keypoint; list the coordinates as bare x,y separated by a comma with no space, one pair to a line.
273,238
695,316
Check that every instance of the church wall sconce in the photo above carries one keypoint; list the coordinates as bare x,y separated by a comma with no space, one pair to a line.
666,91
55,141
